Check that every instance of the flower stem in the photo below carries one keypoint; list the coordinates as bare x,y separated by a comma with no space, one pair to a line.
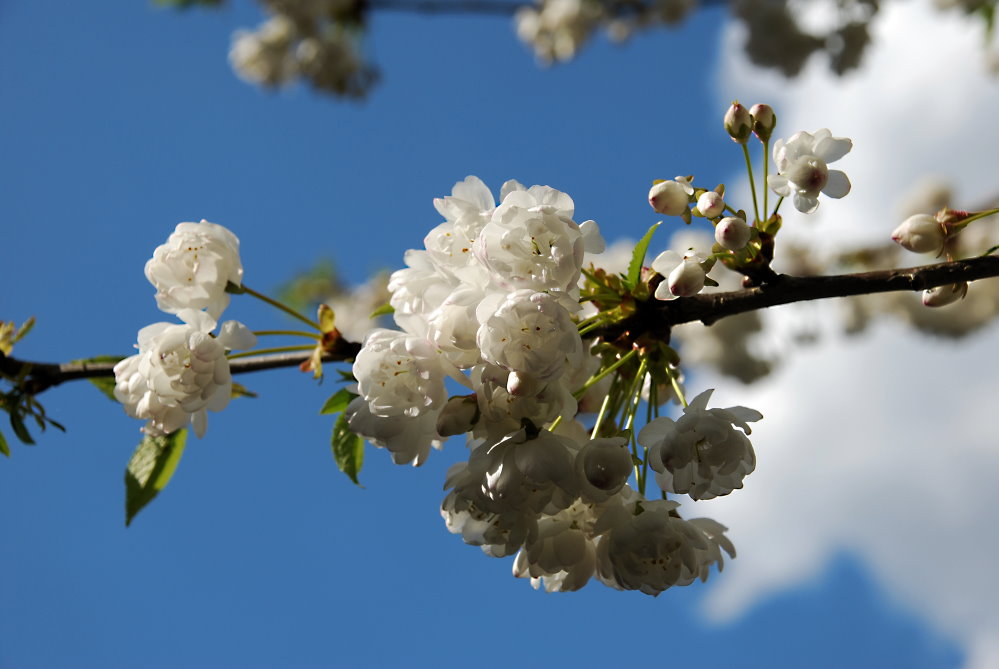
283,307
290,333
278,349
602,374
752,181
600,416
676,387
766,170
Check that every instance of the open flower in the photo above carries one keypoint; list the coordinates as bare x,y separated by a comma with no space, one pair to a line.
191,270
702,454
803,171
180,372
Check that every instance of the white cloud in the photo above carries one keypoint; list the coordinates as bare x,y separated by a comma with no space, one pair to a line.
883,445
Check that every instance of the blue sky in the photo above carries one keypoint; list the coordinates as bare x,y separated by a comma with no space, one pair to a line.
120,121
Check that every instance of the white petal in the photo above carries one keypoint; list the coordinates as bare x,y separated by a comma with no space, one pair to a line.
593,241
833,148
666,262
236,337
838,184
778,184
806,204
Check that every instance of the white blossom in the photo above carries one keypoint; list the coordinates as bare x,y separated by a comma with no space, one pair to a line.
532,336
180,372
408,438
532,242
264,56
399,374
561,554
191,270
702,453
803,172
646,547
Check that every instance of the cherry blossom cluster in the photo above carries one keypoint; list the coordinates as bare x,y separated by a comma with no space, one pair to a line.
742,241
492,303
181,371
317,40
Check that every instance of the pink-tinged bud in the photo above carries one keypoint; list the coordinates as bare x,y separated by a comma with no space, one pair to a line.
921,233
944,295
669,198
733,233
738,123
710,204
764,121
687,279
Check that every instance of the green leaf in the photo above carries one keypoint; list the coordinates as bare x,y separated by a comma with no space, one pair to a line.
348,449
383,310
337,402
24,329
17,423
239,390
638,258
4,448
150,469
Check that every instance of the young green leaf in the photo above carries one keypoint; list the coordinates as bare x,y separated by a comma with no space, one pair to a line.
638,258
17,423
4,448
348,449
337,402
150,469
383,310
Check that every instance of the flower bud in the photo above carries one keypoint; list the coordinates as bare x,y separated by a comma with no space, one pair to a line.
458,416
944,295
920,233
710,204
738,123
732,233
764,121
669,198
687,279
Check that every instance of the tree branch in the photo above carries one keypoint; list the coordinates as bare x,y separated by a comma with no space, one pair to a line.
501,7
40,376
657,317
651,318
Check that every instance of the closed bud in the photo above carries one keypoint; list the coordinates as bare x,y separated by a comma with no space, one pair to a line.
764,121
710,204
687,279
732,233
738,123
458,416
920,233
669,198
944,295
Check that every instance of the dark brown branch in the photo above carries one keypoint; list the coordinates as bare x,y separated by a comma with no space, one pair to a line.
500,7
652,317
657,317
44,375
